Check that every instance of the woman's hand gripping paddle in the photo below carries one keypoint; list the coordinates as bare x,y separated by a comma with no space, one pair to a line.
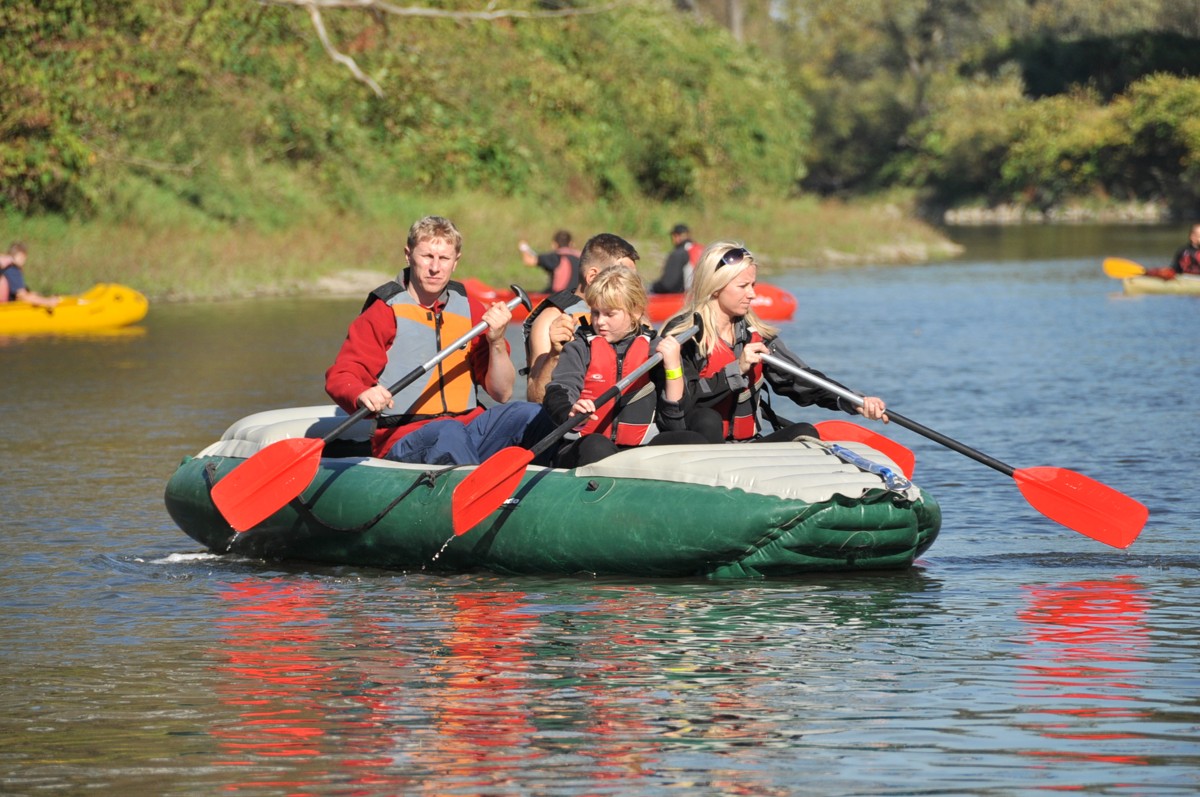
264,483
1120,268
1066,497
483,491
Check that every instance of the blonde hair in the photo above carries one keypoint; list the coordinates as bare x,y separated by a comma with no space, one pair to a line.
710,278
617,288
434,228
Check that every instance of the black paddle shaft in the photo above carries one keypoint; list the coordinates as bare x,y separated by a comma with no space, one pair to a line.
362,412
783,365
608,395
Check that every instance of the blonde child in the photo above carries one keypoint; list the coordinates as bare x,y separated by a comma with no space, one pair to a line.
614,343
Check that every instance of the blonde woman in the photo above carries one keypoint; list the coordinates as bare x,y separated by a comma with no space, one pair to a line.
724,374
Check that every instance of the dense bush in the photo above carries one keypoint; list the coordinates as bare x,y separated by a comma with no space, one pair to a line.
988,141
234,113
228,112
1161,153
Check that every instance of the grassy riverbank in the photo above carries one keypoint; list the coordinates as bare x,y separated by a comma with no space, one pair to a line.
340,254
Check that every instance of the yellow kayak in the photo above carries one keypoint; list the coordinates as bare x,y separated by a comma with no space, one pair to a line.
104,306
1184,284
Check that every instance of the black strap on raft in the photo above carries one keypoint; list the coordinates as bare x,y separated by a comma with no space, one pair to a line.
428,478
304,508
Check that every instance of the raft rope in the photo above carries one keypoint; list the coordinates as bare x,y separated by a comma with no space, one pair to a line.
894,481
428,478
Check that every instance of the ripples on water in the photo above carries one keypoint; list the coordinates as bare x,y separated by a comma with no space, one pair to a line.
1017,657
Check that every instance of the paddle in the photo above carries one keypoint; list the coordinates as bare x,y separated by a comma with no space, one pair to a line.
903,456
1071,499
264,483
483,491
1120,268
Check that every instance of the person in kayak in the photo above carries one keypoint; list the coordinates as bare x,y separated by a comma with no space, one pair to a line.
436,420
613,343
12,279
724,374
680,265
552,323
561,264
1185,261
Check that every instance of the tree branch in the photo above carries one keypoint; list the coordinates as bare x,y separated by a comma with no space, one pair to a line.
491,13
423,11
314,13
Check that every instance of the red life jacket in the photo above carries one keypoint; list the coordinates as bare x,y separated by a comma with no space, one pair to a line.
737,410
566,275
1188,260
628,419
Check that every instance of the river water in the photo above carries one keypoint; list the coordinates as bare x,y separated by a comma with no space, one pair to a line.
1016,657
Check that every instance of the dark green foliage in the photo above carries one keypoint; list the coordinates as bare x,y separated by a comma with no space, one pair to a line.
1034,102
1106,64
237,112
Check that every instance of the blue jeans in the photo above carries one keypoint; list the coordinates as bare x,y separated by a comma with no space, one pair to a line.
451,442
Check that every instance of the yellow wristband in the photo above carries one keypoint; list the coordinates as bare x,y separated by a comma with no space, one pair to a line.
674,373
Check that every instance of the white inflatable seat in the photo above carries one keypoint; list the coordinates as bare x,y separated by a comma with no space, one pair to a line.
254,432
802,470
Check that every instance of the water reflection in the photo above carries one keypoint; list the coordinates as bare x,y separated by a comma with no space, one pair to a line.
118,333
1087,639
484,705
398,688
275,674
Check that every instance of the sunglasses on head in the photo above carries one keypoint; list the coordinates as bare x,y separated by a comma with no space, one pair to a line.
733,257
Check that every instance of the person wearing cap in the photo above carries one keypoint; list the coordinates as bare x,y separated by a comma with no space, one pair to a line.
680,263
725,378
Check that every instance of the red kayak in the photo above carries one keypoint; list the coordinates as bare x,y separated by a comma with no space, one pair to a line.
770,303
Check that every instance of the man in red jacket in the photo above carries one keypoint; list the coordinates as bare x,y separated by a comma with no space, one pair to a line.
438,418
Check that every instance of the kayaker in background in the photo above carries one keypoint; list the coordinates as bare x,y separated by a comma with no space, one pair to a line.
613,343
552,323
12,279
1186,260
438,419
562,264
680,264
724,374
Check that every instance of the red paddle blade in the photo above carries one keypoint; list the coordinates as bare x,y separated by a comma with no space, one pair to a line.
263,484
1083,504
903,456
489,486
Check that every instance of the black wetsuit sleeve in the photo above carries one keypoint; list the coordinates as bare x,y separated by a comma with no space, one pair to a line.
801,392
567,381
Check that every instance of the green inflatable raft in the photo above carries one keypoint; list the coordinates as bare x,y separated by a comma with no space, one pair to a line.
722,511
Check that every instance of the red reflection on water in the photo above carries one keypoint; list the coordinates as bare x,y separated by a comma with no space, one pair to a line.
272,659
1087,636
281,674
485,696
